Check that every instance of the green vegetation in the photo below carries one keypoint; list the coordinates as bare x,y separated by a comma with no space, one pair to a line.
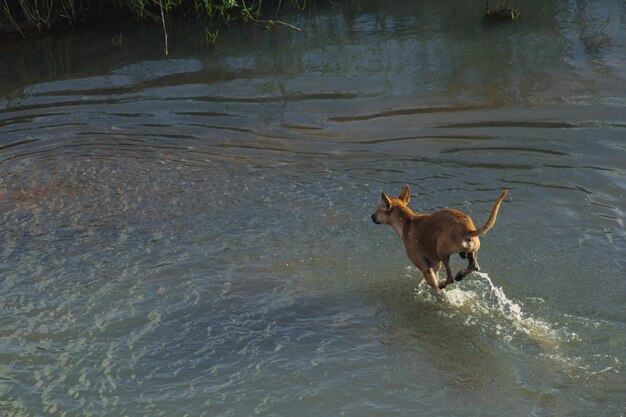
210,37
28,16
502,13
25,16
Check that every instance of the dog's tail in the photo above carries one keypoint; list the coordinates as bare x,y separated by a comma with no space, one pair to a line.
492,218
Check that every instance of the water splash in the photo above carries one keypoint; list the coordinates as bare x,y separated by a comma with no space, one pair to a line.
479,302
512,313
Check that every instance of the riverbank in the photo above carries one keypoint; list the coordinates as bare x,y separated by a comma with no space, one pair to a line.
28,18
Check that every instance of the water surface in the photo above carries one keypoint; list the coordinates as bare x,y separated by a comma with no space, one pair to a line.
191,235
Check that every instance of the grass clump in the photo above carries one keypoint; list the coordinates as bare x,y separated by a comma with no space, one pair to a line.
223,10
502,13
38,15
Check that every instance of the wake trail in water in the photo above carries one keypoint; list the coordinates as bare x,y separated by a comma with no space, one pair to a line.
479,302
512,312
558,341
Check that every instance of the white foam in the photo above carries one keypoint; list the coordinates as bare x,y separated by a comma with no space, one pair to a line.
480,302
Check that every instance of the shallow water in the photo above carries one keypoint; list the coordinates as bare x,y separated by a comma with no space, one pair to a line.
191,236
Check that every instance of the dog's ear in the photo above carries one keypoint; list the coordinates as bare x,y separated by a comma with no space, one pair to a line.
386,200
405,194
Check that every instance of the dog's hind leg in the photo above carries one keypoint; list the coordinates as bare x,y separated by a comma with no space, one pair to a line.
472,265
449,279
431,278
473,261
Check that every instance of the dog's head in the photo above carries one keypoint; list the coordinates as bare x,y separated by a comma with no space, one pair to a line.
382,215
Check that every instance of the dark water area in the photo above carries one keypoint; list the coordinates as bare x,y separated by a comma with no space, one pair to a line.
190,235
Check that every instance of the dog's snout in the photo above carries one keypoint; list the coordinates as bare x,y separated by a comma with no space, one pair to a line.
375,218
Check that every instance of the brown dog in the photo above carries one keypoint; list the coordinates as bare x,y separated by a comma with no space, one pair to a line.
430,239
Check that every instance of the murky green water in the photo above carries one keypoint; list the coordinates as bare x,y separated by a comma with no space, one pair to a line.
191,236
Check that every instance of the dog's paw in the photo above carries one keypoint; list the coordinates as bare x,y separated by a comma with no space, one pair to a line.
459,276
443,285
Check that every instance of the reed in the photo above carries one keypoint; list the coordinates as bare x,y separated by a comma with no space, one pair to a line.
22,15
38,15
